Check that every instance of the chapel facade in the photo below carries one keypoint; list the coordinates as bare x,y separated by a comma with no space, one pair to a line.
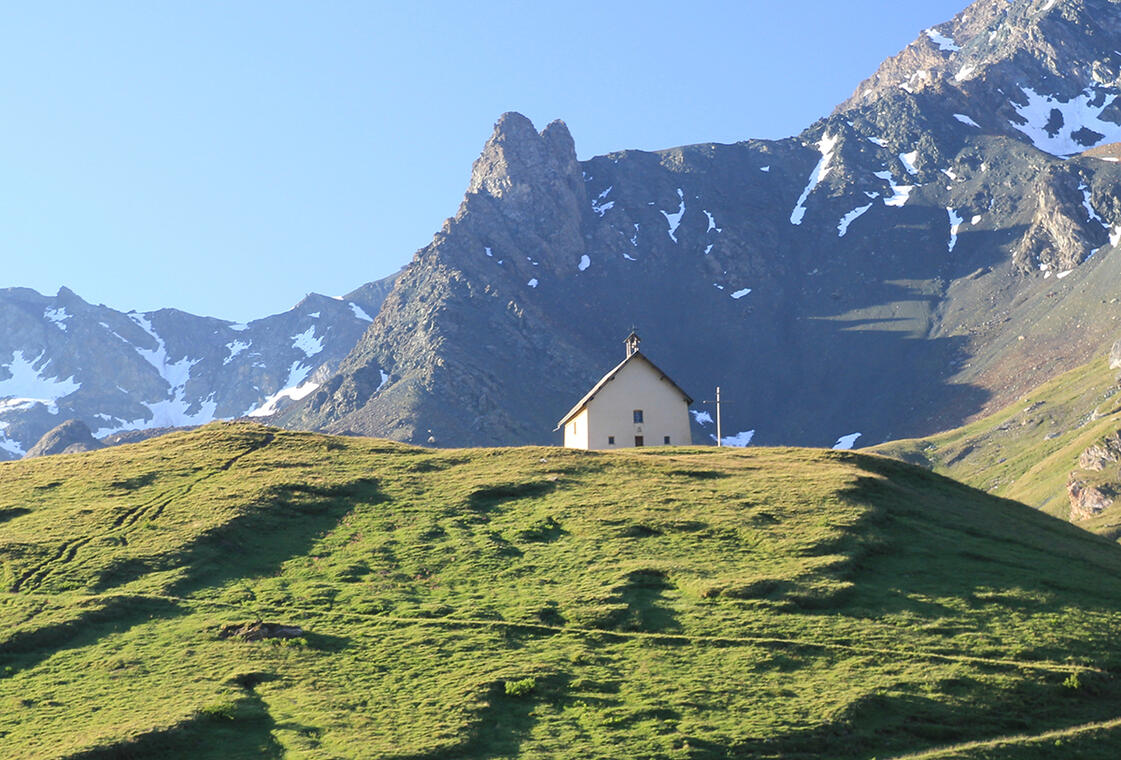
635,404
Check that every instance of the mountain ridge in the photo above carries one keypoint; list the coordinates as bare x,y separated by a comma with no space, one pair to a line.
66,359
901,233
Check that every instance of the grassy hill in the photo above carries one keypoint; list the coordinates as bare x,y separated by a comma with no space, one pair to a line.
538,602
1028,450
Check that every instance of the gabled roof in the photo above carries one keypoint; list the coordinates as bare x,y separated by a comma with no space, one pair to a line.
637,355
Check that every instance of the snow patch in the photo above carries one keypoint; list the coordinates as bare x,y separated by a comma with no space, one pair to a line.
975,220
877,141
966,120
1077,116
1093,214
741,293
846,442
175,374
314,315
711,223
628,257
384,379
944,43
29,384
849,218
359,312
532,283
235,348
764,168
488,251
307,342
955,225
900,195
58,316
1061,275
701,418
295,389
908,160
585,262
236,326
739,440
964,72
675,218
601,208
634,237
8,445
821,171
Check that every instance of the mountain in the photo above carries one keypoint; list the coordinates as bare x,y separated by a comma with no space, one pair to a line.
1057,448
62,358
241,591
943,242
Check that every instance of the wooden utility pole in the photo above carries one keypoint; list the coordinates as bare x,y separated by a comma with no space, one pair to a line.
718,402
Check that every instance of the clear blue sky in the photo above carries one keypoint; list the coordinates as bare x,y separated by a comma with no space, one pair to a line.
228,157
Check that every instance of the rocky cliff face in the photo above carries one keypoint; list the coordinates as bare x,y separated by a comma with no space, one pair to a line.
62,358
926,253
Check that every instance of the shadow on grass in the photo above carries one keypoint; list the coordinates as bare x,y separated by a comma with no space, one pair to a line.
879,725
503,724
241,729
284,525
644,608
486,499
930,537
11,514
26,649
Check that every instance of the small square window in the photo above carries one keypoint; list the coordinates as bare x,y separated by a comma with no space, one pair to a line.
666,440
637,416
610,440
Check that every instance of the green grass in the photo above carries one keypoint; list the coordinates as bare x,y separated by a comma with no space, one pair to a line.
540,602
1027,451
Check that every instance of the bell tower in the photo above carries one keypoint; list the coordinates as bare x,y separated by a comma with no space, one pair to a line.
631,343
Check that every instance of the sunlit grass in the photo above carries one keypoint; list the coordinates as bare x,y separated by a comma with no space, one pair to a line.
534,602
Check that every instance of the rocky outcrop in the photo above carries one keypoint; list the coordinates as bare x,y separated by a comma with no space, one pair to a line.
436,365
1087,501
1105,452
70,437
1115,356
258,631
1061,234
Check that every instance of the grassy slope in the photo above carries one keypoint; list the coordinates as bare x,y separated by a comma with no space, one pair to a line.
676,603
1028,450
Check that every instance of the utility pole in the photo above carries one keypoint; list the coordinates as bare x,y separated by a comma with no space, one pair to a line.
718,402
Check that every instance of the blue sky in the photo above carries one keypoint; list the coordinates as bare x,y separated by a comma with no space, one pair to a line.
227,158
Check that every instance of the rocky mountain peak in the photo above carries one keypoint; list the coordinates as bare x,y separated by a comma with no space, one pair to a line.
1059,48
516,159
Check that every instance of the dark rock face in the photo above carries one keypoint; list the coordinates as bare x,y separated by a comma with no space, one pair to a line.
925,254
70,437
61,357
